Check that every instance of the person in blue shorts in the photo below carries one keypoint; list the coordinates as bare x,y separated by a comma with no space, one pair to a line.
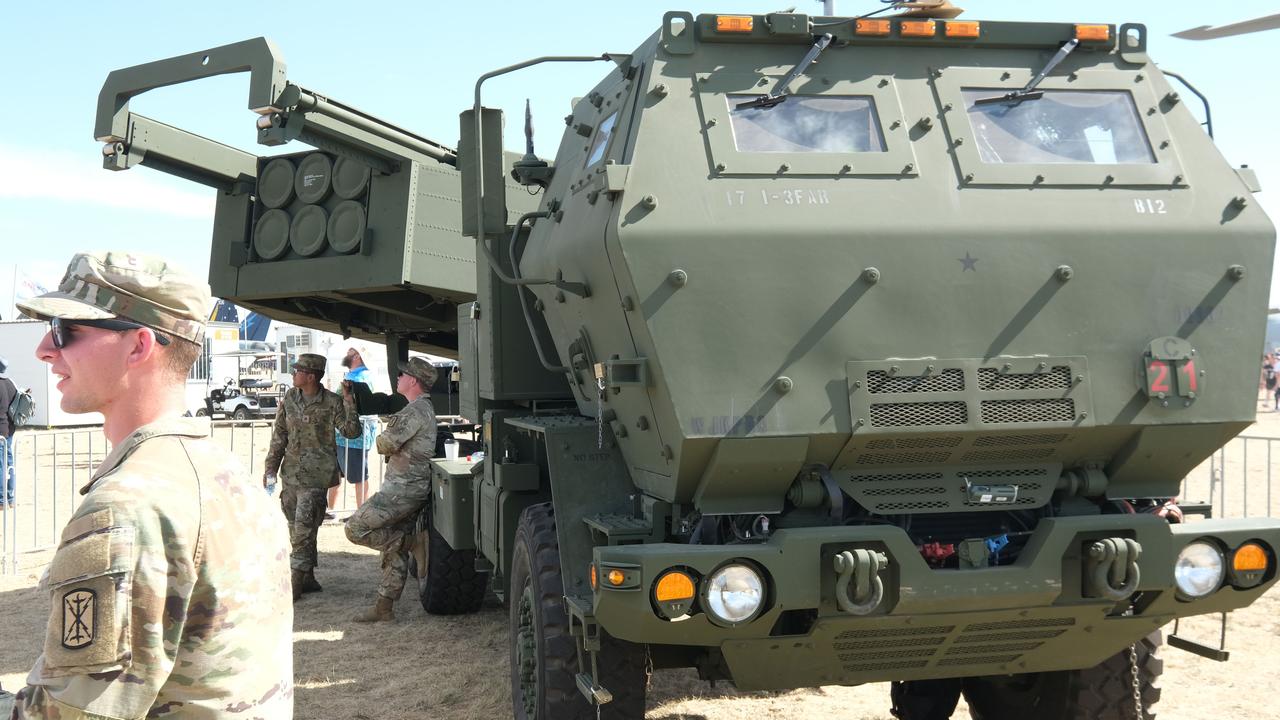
353,453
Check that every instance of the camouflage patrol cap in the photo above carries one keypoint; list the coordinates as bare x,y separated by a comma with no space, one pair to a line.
143,288
419,368
310,361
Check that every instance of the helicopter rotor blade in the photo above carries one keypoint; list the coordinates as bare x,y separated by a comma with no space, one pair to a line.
1207,32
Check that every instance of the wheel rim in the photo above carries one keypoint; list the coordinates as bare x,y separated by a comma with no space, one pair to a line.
527,653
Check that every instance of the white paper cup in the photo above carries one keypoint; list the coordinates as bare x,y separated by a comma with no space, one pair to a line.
450,450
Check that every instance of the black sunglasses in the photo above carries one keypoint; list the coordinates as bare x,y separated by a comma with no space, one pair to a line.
61,338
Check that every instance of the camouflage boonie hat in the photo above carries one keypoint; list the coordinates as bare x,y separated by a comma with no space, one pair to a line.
133,286
310,361
421,369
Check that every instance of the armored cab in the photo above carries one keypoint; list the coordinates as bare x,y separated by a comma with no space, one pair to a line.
902,330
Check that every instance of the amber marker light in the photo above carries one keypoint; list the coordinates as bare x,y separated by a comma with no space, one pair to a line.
616,577
1249,557
673,594
964,29
868,26
675,585
917,28
1093,33
595,580
734,23
1249,565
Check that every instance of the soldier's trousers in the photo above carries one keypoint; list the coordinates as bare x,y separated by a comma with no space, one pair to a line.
304,510
385,523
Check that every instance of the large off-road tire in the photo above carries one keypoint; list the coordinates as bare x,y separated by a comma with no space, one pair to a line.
925,699
1104,692
544,658
449,584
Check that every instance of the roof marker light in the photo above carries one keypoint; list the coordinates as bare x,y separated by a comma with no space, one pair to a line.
735,23
917,28
1093,33
966,29
868,26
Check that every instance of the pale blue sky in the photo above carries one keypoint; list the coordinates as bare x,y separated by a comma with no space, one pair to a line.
414,64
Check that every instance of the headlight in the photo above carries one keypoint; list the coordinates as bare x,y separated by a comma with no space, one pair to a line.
1199,569
734,594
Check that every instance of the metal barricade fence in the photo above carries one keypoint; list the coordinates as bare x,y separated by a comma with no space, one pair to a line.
51,466
1236,481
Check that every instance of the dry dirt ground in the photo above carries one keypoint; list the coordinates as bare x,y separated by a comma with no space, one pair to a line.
433,667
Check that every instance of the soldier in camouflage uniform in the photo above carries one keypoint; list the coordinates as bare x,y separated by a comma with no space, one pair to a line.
305,455
168,586
385,522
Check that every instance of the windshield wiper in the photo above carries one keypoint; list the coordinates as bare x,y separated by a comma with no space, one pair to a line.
1029,92
778,95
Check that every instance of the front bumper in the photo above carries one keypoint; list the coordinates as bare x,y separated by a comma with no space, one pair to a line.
1030,616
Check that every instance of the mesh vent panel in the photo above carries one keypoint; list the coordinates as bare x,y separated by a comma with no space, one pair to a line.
879,382
904,477
900,665
997,637
984,660
918,443
908,506
889,643
1019,624
1024,411
992,379
1001,440
896,632
979,649
916,458
1032,472
895,492
1005,455
888,654
914,414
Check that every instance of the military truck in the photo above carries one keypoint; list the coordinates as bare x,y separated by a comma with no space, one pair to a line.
828,350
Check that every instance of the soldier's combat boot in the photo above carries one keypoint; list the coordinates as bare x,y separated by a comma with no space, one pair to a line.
382,611
295,579
309,583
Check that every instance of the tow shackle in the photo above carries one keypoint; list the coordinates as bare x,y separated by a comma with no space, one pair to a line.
862,568
1113,571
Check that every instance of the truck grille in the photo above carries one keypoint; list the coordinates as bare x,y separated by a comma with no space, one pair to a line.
977,395
945,645
944,490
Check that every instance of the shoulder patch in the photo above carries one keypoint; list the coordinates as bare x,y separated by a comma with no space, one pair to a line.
79,617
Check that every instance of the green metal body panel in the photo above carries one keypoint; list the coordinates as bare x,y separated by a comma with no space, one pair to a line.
453,506
1027,617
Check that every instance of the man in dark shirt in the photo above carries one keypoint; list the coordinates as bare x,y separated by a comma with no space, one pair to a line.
9,476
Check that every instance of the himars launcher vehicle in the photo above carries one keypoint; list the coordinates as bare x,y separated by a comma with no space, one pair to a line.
829,351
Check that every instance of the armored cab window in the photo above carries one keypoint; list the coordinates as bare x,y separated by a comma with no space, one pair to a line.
1064,126
847,124
601,141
